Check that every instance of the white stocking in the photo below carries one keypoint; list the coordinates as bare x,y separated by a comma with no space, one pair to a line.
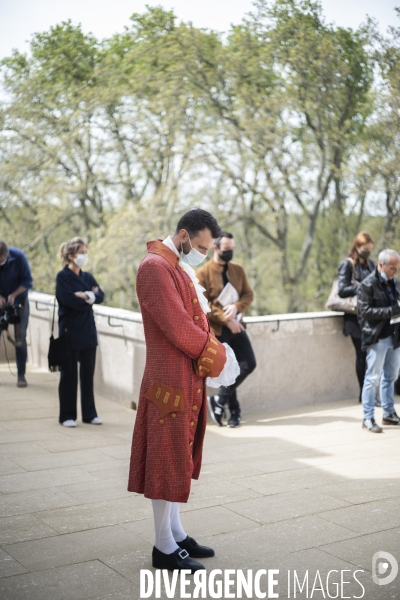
176,526
162,524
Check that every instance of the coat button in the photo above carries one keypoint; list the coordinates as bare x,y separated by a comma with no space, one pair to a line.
199,390
191,423
191,284
161,421
191,444
194,407
195,301
173,415
196,318
191,456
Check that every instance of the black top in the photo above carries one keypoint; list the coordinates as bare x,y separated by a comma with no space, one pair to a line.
390,291
225,279
347,289
73,312
14,273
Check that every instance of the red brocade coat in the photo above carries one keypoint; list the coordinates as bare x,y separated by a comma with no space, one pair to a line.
172,411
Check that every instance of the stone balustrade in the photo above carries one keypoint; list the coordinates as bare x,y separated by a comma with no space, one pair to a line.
301,358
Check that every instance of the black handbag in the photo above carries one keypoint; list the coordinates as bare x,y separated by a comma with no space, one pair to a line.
59,355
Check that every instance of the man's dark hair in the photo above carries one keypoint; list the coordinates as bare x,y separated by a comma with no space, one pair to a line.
196,220
3,248
222,235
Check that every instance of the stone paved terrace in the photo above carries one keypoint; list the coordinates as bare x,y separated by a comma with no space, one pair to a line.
302,489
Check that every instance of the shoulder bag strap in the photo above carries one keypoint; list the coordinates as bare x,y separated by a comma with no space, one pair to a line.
54,312
353,264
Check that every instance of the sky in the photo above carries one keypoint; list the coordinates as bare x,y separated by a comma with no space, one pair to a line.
20,18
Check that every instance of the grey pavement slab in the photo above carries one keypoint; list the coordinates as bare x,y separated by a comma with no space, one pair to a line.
9,566
293,534
98,490
123,451
129,594
104,465
39,436
90,439
72,582
7,467
35,480
233,469
96,514
301,489
20,528
367,518
216,493
282,481
26,414
359,550
15,450
280,507
34,501
358,491
116,471
72,548
61,459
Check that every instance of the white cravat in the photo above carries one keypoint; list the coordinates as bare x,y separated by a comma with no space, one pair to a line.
192,274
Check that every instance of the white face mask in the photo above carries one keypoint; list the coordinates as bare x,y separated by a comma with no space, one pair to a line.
3,263
194,257
81,260
384,276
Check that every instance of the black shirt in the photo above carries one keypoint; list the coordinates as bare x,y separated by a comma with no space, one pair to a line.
225,279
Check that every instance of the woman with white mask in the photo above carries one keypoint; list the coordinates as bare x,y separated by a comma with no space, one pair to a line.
76,292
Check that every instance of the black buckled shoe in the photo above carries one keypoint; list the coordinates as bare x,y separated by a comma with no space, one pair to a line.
371,425
178,560
391,419
217,410
194,549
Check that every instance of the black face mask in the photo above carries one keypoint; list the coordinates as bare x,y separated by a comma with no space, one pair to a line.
226,255
364,254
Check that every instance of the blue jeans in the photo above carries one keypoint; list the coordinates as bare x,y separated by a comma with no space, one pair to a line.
383,363
21,353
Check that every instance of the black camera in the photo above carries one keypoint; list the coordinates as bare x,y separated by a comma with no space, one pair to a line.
9,315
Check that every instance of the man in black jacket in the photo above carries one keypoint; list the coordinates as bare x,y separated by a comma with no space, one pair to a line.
378,304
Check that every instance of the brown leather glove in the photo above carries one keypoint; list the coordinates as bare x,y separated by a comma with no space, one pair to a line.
213,358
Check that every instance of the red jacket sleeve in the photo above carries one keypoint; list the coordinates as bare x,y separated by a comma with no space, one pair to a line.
159,296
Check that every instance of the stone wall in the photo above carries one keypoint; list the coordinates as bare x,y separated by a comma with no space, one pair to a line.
301,358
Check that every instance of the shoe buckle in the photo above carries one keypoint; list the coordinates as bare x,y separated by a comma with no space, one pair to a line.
183,554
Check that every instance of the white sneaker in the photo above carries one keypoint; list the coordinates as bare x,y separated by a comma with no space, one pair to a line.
69,423
96,421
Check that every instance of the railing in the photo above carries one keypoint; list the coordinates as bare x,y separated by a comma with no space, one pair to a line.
302,358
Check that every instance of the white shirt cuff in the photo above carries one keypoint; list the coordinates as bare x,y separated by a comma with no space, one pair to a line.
91,298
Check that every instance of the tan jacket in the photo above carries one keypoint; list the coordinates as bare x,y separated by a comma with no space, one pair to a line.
210,277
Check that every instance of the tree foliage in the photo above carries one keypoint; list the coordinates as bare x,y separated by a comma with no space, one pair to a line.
287,128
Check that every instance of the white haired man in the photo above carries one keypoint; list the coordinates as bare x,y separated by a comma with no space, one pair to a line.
378,305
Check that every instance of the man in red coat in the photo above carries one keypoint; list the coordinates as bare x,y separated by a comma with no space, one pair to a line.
172,412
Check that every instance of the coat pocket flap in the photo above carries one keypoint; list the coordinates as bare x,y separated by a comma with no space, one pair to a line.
166,398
